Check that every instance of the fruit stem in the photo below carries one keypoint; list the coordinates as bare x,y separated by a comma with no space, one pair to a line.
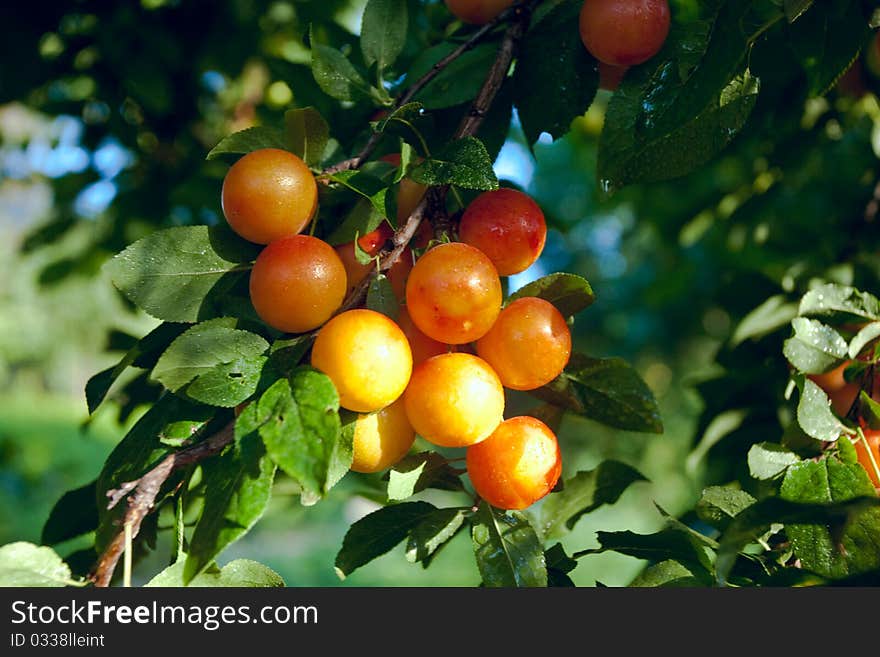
870,452
126,568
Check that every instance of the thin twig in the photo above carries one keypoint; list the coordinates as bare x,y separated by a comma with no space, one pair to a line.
143,497
142,492
433,204
522,14
514,11
867,446
127,550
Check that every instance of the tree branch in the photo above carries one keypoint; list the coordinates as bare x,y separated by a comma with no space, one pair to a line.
143,497
433,203
514,12
142,492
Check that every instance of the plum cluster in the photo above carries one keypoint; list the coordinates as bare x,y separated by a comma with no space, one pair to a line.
440,370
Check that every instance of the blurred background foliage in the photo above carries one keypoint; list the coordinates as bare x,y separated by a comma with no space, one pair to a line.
107,110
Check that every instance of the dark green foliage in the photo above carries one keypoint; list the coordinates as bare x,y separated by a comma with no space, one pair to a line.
556,78
766,225
507,549
464,162
375,534
307,134
583,493
570,293
73,515
170,274
298,420
416,472
237,489
847,545
380,297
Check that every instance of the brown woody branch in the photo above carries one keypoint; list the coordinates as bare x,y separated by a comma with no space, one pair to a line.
142,495
142,492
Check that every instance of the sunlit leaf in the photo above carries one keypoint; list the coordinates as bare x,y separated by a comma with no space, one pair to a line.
507,549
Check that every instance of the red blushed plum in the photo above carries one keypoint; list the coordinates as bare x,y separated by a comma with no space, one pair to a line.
506,225
624,32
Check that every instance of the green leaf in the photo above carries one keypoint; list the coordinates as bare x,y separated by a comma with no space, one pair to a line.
73,515
584,493
300,427
342,454
407,158
855,371
237,573
679,109
558,559
228,384
370,187
670,543
336,76
815,348
26,564
815,416
170,273
689,146
667,573
383,31
675,523
559,565
794,8
758,519
507,549
769,460
362,256
381,297
767,318
405,115
433,532
464,162
869,410
562,393
833,549
863,338
570,293
143,353
292,349
238,484
718,505
553,63
362,219
614,394
828,41
247,140
307,134
846,451
458,82
416,472
840,303
376,533
201,349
